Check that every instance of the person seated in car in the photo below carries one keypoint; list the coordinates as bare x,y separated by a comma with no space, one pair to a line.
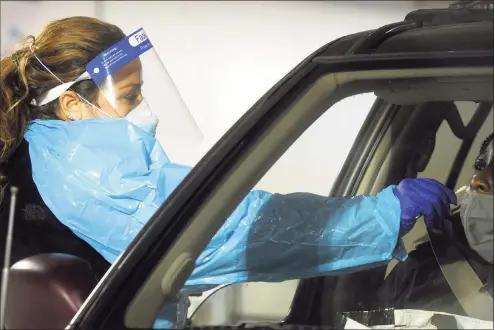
80,193
418,283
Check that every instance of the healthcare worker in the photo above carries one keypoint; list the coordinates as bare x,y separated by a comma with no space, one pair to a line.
447,282
74,98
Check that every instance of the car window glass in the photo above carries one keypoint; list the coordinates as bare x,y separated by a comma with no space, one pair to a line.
447,145
486,129
310,165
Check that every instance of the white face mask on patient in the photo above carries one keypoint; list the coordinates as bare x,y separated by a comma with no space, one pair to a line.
143,117
477,220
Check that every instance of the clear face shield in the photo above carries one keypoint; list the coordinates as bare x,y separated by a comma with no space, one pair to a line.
135,85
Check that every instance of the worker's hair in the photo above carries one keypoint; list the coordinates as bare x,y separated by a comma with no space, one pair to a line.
65,47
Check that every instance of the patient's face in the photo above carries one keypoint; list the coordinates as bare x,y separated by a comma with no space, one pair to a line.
482,180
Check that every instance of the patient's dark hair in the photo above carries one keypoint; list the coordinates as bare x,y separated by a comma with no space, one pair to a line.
64,46
482,160
486,143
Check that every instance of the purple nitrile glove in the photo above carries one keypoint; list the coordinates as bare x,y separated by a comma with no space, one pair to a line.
425,197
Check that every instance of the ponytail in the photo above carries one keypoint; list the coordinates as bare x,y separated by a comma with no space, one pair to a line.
14,101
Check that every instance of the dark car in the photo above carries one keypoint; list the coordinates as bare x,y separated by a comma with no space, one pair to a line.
419,69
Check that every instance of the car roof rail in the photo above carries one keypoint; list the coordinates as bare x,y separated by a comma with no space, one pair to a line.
458,12
472,4
375,38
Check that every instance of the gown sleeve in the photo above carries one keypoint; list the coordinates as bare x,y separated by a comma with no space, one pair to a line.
274,238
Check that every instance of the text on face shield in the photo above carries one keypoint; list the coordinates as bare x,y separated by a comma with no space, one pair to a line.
137,38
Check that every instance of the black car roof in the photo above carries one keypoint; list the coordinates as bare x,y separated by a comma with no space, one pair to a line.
435,30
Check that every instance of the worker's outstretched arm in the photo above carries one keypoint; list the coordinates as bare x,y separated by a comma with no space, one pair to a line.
105,190
274,238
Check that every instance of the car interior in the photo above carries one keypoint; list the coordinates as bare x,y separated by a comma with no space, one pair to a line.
396,141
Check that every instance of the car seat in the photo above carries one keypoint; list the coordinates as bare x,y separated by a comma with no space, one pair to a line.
46,290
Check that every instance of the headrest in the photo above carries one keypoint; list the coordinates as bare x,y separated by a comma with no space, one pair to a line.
45,291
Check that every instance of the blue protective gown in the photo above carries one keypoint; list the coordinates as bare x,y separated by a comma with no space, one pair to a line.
104,178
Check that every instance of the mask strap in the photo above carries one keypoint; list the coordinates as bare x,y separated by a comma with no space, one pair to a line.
56,91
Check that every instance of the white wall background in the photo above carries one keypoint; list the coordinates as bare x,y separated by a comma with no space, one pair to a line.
19,19
223,56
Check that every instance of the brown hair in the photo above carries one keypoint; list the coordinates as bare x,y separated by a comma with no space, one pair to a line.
65,47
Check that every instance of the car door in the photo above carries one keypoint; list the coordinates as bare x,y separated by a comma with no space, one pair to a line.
160,259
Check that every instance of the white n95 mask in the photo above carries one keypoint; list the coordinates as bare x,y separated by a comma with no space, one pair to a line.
143,117
477,220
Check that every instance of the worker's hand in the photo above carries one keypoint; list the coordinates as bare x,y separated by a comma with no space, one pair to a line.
425,197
